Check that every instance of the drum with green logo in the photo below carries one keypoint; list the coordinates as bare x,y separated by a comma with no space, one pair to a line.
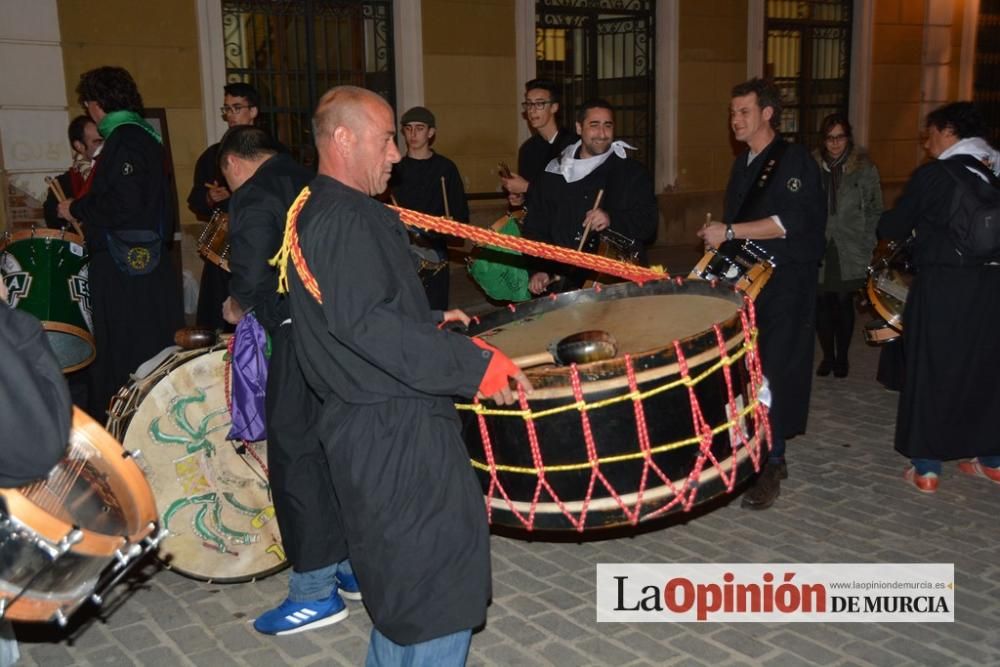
45,271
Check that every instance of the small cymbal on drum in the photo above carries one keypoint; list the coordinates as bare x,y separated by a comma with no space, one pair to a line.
192,338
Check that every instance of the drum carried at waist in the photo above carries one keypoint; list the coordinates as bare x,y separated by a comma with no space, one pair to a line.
213,244
889,280
71,536
211,494
46,274
741,264
672,421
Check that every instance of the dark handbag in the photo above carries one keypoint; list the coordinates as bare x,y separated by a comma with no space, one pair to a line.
136,252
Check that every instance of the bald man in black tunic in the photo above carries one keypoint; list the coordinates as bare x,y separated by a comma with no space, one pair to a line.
413,511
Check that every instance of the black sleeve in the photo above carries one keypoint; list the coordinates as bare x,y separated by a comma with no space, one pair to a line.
52,218
35,399
254,234
800,203
538,225
900,221
457,203
126,170
205,171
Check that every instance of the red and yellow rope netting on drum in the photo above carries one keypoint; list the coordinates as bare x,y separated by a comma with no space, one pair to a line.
683,494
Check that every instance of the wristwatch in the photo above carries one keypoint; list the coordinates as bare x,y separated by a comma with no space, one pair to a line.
730,233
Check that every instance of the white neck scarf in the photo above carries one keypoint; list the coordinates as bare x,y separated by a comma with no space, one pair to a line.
978,148
576,169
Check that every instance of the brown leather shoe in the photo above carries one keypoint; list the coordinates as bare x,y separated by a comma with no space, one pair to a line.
766,488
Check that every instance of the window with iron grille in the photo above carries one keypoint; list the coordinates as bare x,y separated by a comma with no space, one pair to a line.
808,55
986,81
602,48
293,51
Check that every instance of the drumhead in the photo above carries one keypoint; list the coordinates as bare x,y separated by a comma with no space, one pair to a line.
211,494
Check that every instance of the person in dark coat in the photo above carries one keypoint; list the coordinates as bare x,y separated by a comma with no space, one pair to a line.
547,141
413,511
421,181
85,141
209,195
134,291
264,183
949,401
775,198
564,196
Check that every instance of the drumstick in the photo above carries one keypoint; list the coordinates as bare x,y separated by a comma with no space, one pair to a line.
57,190
392,198
444,193
586,227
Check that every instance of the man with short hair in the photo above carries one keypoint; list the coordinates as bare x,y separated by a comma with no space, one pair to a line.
86,142
564,198
412,507
421,181
775,197
264,182
547,140
209,194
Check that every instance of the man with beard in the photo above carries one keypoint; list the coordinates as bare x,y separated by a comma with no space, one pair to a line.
85,141
564,199
775,197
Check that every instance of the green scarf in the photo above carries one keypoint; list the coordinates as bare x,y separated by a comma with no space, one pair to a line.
113,120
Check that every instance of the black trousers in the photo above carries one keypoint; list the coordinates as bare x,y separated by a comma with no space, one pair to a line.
304,500
212,291
835,324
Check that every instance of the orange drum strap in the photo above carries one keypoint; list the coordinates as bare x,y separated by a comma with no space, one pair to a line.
683,495
290,249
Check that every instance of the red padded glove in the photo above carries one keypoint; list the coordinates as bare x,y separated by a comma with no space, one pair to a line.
497,373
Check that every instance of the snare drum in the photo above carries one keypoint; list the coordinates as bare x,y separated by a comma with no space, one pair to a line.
46,273
742,264
889,279
670,423
211,494
94,509
213,244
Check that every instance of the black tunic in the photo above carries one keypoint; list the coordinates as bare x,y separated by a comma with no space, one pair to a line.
949,400
558,208
134,316
416,184
214,286
413,510
306,508
786,307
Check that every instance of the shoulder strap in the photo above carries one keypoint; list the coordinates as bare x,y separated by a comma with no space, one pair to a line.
959,164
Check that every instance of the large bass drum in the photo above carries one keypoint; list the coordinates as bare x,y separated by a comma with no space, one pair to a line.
671,422
211,494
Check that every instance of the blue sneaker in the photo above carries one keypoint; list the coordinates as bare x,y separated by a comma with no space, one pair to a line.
348,586
291,617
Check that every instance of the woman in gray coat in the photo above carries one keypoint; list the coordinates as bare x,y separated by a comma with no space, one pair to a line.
854,204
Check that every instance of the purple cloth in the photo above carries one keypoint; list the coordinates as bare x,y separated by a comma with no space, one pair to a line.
250,351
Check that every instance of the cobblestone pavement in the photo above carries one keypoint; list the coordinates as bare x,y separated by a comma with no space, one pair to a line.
844,501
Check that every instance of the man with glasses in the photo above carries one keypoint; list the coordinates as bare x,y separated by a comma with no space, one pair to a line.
775,197
547,141
210,194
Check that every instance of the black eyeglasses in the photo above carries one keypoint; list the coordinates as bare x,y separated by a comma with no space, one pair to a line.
836,138
236,108
537,106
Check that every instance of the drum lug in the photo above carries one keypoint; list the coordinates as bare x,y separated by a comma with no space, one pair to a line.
54,551
131,454
60,618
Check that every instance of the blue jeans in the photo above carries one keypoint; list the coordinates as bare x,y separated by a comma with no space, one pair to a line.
448,651
926,466
777,454
316,584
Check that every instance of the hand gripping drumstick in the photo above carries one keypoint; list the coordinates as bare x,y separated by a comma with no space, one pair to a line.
61,196
586,227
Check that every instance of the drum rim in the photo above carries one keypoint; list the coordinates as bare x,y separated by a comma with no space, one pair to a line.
556,382
10,238
62,327
139,506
